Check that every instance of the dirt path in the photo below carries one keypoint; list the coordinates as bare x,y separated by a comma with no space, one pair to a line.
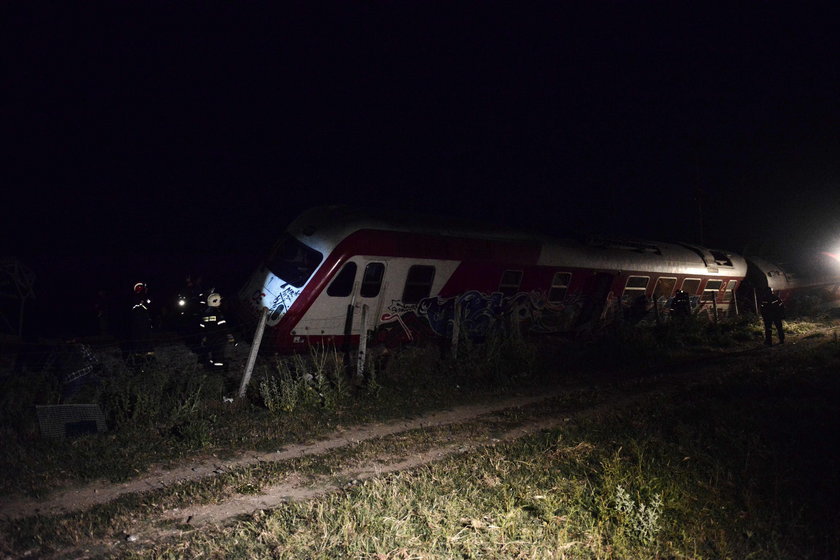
100,492
296,488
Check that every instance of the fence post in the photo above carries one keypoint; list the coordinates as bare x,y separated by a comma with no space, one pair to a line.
363,334
456,329
714,306
656,310
735,301
252,356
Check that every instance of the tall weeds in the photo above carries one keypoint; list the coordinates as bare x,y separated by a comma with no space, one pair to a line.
299,382
500,360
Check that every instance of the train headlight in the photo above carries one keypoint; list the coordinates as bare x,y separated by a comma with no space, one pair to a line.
277,313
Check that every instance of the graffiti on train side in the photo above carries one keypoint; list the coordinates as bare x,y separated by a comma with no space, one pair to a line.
479,314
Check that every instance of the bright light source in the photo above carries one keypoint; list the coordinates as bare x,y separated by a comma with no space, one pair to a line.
835,256
182,302
833,261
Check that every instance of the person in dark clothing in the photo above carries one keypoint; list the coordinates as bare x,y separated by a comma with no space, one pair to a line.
216,333
681,305
140,325
773,312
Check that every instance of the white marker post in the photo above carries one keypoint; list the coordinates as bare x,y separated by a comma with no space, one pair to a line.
360,363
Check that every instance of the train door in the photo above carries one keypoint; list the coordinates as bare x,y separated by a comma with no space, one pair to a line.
369,302
596,290
326,317
351,297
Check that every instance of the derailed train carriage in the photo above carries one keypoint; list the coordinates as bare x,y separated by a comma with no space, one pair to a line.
339,272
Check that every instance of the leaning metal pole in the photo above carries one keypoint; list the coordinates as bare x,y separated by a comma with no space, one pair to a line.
252,356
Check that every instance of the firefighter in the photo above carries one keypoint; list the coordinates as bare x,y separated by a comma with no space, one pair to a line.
681,306
215,333
772,311
140,325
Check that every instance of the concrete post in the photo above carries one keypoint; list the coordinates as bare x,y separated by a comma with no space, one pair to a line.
252,356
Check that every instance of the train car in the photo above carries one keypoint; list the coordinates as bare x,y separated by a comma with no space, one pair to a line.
816,290
339,272
763,274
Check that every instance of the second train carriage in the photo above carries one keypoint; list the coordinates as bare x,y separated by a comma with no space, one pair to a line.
339,272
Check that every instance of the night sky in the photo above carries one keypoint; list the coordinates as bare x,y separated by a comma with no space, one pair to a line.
150,140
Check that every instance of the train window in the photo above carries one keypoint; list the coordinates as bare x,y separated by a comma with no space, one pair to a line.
292,261
511,279
342,286
691,285
559,286
711,289
730,289
721,258
372,280
636,285
664,288
418,283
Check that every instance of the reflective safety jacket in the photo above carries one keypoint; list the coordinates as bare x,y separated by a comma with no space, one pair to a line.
213,324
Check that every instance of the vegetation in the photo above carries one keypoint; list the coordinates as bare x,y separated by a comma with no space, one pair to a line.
683,478
736,464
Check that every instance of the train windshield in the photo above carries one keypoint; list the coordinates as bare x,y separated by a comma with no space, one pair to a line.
293,262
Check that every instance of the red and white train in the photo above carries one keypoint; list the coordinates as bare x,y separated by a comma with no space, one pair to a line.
339,272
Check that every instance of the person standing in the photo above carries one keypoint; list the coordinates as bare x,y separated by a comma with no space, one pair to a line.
140,325
681,306
216,333
772,312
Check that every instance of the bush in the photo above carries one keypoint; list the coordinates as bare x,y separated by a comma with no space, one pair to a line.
18,396
305,382
501,359
409,363
170,399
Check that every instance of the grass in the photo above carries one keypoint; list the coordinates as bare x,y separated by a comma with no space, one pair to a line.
723,468
174,409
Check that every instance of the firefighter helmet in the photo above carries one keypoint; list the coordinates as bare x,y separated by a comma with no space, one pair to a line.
214,300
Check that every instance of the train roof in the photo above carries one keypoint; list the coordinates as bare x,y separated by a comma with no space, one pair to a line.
627,254
325,227
332,224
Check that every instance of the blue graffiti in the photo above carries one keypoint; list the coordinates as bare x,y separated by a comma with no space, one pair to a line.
481,313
